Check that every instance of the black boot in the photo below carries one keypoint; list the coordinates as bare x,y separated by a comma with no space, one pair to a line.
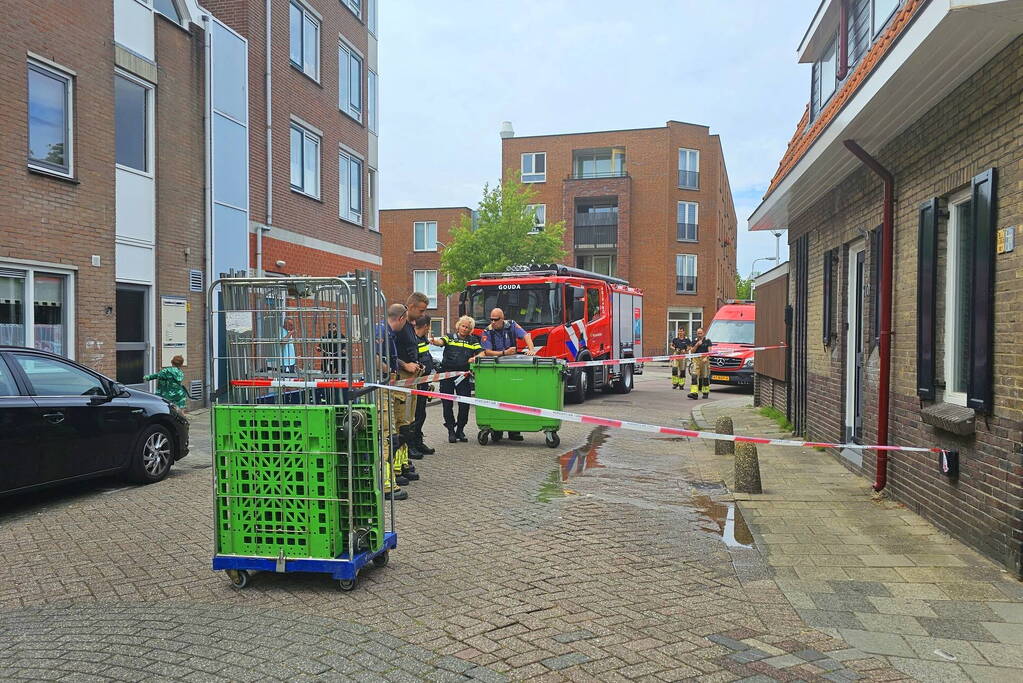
452,435
396,494
460,434
422,447
409,473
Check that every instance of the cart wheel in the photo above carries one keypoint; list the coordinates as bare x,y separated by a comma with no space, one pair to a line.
381,560
553,440
346,585
483,437
239,578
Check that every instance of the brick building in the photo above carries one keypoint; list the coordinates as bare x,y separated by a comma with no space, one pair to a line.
650,205
910,143
412,241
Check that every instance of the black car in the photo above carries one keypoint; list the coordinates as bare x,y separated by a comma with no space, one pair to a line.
60,421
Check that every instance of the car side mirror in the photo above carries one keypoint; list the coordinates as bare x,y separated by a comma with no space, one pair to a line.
117,390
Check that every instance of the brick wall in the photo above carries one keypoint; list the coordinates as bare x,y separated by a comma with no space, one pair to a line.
768,391
648,198
974,128
396,229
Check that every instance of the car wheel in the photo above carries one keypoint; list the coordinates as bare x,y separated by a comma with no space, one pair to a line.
154,452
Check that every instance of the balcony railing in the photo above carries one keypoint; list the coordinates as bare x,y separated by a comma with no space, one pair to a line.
689,180
597,218
585,175
595,236
685,284
687,232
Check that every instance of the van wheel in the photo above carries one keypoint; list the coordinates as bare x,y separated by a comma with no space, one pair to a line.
624,384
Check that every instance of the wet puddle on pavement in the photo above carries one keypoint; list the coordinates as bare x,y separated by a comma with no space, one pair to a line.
728,522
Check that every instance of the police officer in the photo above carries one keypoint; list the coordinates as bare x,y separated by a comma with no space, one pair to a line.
701,366
679,345
408,350
500,338
426,361
460,349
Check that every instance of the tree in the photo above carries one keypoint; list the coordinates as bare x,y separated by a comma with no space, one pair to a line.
743,287
503,236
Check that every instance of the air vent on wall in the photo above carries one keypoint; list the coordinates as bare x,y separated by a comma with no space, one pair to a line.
195,281
195,389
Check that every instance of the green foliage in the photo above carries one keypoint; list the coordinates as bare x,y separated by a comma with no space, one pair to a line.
501,237
743,287
778,416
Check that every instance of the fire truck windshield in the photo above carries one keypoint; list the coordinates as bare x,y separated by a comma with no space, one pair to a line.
731,332
531,306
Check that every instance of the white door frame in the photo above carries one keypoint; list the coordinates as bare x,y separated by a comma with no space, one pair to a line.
854,296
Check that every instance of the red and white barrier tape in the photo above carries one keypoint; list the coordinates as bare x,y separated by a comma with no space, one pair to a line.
651,359
426,379
261,383
643,427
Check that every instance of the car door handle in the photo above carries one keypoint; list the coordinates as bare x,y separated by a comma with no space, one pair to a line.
137,411
54,418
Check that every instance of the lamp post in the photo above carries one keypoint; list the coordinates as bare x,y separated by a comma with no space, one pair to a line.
447,298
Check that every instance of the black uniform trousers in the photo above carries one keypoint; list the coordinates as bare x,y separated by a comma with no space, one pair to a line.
420,415
463,388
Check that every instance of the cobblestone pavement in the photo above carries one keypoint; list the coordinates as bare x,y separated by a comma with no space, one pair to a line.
872,572
620,558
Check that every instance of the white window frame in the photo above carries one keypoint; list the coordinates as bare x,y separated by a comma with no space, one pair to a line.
684,315
539,217
952,272
372,192
307,13
346,56
426,234
696,219
416,274
824,96
31,269
346,159
373,101
355,6
681,259
437,327
532,176
876,26
150,171
308,134
694,154
371,16
68,77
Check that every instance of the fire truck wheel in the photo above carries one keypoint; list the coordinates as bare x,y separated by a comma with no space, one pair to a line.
580,379
624,385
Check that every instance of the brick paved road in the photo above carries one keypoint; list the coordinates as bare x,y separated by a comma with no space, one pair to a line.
513,561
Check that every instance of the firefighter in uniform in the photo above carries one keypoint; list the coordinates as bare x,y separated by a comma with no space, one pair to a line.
701,367
460,349
396,451
408,348
426,361
679,345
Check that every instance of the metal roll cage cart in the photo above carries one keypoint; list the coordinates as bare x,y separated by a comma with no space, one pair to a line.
298,444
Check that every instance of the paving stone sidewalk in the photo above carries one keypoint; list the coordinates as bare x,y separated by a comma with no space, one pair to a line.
870,571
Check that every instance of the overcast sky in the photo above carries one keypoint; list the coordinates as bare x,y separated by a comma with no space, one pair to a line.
452,70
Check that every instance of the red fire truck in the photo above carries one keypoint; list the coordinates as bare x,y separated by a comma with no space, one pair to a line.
571,314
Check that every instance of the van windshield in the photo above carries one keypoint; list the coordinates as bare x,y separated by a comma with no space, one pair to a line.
531,306
731,332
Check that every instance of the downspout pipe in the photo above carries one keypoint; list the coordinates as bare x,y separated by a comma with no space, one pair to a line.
885,333
843,40
208,191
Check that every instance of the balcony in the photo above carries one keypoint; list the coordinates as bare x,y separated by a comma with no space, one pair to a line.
587,175
599,236
685,284
687,232
689,180
591,218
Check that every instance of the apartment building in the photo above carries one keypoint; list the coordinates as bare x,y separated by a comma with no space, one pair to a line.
102,214
902,194
412,243
650,205
312,95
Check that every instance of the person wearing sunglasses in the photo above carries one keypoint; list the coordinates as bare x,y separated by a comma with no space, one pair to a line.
500,338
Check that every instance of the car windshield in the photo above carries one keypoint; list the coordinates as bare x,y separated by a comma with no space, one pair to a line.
531,306
731,332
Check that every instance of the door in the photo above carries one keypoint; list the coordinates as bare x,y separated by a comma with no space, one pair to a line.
854,346
19,427
81,431
133,336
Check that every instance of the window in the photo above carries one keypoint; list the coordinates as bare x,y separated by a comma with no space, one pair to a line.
607,162
534,167
350,185
305,161
603,264
883,11
49,119
131,123
305,41
689,169
43,325
349,85
859,30
372,188
685,274
7,387
688,221
958,293
168,9
425,235
51,377
436,327
372,101
355,6
684,323
828,74
371,16
539,217
425,281
592,303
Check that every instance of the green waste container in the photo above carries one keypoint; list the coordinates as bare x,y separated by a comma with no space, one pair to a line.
526,380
